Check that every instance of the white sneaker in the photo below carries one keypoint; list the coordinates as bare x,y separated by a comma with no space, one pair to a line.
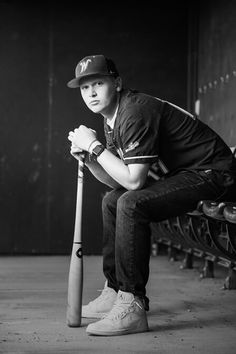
127,316
101,305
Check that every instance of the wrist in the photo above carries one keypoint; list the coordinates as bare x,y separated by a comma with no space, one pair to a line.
92,145
97,151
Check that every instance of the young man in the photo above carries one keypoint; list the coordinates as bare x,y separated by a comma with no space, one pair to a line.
143,134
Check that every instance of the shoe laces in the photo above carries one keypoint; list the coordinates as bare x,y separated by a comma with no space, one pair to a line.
121,308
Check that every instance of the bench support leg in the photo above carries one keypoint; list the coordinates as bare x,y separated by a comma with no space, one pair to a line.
187,262
208,270
154,250
172,254
230,281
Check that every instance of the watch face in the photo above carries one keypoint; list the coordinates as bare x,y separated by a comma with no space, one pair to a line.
98,149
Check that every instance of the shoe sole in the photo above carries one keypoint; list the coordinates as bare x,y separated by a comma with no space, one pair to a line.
127,331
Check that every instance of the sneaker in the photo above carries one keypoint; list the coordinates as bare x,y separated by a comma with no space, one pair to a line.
101,305
127,316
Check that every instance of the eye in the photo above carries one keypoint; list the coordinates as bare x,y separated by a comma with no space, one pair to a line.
99,83
84,87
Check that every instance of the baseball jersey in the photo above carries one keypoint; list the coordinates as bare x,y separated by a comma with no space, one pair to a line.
150,130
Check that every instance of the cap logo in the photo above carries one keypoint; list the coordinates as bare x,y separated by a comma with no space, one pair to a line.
84,65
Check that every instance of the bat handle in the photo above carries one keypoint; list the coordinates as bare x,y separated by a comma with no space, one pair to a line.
81,165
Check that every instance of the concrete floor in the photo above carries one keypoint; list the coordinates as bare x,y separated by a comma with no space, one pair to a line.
187,315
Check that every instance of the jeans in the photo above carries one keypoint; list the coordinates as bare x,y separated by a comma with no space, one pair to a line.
127,216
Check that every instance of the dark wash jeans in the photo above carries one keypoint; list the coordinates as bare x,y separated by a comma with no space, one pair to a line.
127,216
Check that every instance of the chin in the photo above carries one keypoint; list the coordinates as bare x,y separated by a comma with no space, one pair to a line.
95,109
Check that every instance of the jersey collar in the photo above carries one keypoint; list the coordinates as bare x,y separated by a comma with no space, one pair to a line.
111,122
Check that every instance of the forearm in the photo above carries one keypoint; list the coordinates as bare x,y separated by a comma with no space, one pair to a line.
100,174
120,172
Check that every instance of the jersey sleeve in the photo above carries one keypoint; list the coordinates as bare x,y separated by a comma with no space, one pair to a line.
139,139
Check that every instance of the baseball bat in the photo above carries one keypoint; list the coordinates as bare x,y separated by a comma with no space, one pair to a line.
75,281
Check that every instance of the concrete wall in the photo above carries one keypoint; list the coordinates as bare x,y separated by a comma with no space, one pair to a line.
217,67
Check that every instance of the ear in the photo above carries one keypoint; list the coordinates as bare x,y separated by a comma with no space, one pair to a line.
118,84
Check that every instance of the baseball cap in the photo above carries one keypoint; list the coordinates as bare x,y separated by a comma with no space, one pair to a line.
93,65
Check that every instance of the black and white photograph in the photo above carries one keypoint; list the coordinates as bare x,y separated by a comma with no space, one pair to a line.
118,177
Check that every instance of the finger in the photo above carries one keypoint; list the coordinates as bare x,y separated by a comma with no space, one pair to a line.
76,156
71,133
75,150
74,146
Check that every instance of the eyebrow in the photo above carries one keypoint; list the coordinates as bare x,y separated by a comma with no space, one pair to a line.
95,81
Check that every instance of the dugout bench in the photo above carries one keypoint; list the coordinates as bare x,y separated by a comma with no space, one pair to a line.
209,232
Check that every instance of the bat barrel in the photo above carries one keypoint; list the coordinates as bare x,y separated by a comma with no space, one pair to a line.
75,283
75,288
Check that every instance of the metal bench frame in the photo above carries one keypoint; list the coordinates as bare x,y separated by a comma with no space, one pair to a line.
209,232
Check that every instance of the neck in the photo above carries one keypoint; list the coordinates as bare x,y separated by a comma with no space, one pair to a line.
110,114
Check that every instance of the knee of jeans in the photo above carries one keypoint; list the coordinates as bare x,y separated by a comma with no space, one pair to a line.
127,201
109,200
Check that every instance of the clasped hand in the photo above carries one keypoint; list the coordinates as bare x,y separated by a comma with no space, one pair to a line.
81,139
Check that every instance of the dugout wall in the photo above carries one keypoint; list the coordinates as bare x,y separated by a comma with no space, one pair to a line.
40,45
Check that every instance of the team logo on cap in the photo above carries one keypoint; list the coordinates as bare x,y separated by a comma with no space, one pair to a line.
84,65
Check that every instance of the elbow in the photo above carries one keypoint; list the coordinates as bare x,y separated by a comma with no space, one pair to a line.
134,186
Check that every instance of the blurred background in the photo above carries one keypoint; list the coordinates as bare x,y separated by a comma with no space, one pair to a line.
184,52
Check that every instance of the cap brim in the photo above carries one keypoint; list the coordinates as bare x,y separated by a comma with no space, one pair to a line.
73,83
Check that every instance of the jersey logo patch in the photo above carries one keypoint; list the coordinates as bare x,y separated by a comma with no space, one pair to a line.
132,146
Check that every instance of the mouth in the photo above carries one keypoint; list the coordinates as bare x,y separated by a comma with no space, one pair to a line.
94,103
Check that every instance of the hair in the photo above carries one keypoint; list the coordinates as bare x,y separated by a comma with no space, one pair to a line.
112,67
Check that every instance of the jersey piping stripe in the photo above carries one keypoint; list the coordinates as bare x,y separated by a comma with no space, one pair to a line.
140,157
180,109
177,107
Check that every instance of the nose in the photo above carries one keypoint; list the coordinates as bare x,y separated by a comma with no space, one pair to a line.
92,92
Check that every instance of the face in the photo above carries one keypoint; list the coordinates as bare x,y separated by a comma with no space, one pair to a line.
100,94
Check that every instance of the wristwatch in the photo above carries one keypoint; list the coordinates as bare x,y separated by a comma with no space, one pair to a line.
97,151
